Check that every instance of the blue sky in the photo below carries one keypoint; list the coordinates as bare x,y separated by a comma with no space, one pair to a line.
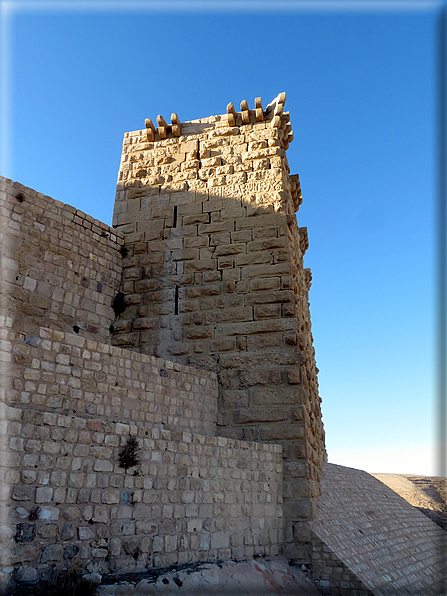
361,91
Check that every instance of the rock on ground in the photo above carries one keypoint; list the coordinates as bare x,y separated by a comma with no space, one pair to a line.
273,577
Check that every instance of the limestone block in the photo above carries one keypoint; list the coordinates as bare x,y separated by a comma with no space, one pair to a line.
294,376
50,513
44,494
252,271
22,493
111,496
85,533
276,432
298,509
268,297
231,115
277,395
266,244
26,574
52,552
220,540
267,311
226,262
229,249
200,265
49,531
29,283
253,415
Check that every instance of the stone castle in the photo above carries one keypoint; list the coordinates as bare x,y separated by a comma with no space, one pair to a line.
159,392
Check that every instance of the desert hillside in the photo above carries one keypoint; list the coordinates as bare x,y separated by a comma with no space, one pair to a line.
426,493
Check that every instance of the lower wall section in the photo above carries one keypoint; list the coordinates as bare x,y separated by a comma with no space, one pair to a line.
369,540
67,501
331,575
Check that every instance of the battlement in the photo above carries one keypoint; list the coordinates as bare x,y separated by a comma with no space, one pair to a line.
274,114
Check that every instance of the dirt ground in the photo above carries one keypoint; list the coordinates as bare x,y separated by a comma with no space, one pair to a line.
426,493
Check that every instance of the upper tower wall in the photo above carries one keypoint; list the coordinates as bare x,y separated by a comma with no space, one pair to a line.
214,278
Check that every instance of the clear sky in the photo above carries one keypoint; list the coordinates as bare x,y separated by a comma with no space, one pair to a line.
361,91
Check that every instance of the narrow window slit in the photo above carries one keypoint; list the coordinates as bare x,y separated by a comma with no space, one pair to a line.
176,301
174,225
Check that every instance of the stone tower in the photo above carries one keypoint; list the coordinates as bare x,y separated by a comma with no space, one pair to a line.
213,277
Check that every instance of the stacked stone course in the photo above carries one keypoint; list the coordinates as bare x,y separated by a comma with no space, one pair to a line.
67,373
64,497
369,540
60,268
331,575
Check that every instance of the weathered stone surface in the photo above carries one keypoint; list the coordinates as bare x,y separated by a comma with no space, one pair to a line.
21,512
72,513
22,493
85,533
44,494
26,574
70,551
25,532
6,533
68,531
49,531
52,552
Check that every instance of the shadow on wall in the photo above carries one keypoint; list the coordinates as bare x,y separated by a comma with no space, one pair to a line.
217,282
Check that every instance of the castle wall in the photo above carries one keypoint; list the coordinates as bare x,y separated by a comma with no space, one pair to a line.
214,278
71,375
203,270
68,407
60,268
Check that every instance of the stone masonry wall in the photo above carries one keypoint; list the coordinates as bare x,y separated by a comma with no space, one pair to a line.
60,268
331,575
315,452
214,278
71,375
65,499
194,497
207,261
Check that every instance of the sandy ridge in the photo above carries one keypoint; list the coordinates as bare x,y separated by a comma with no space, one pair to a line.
426,493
